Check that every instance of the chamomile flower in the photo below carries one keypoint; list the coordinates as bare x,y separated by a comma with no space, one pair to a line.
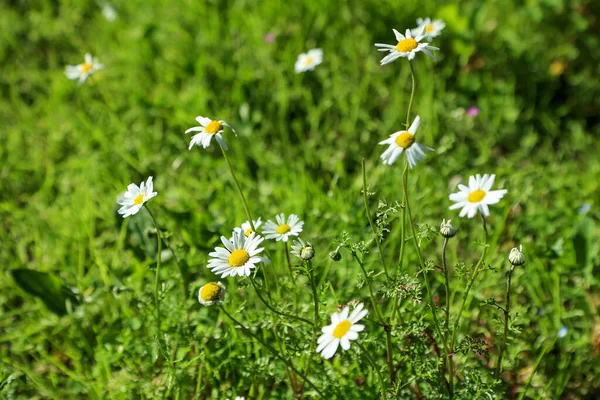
238,257
404,141
429,28
247,228
282,230
211,293
83,71
207,129
308,61
303,250
135,197
476,196
407,46
342,330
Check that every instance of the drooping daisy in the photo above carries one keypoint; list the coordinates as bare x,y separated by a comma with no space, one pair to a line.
247,228
303,250
429,28
83,71
308,61
208,128
238,257
407,47
282,230
211,293
476,196
342,330
135,197
404,141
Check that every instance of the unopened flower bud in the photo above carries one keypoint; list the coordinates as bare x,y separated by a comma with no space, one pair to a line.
303,250
516,256
211,293
335,255
446,229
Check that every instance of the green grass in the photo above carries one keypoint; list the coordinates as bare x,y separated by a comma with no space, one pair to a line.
68,151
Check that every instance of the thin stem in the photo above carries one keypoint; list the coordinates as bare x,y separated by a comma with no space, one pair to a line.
412,94
370,360
289,374
289,261
447,320
403,226
156,276
237,184
375,235
272,350
313,285
266,303
506,316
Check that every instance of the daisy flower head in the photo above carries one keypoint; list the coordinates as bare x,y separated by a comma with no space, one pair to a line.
135,197
83,71
283,229
238,257
476,196
342,330
247,228
308,61
429,28
404,141
407,47
303,250
211,293
207,129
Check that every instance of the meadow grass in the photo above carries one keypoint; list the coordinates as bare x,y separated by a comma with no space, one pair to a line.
68,151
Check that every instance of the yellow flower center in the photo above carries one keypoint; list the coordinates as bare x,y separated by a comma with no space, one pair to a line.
428,28
308,61
248,232
210,291
285,228
406,45
341,329
476,196
405,140
213,127
139,199
238,258
85,67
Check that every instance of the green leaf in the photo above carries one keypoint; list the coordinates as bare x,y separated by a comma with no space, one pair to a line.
47,287
582,242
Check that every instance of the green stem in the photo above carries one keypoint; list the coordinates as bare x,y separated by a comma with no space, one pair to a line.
372,362
266,303
289,261
313,285
412,94
506,316
271,349
156,276
447,320
239,188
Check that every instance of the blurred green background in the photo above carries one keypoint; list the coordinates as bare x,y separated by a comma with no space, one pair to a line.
68,151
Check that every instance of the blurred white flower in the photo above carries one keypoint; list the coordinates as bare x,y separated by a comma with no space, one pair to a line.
342,330
308,61
135,197
476,196
429,28
282,230
238,257
247,228
211,293
109,12
562,332
407,46
404,141
83,71
208,128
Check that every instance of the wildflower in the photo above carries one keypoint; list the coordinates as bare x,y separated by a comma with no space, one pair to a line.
208,128
303,250
407,47
247,228
557,67
472,111
83,71
135,197
211,293
562,332
404,141
109,12
269,37
447,230
429,28
238,257
282,230
584,208
458,114
308,61
516,256
342,330
476,196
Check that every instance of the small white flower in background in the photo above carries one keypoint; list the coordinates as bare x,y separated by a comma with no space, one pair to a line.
303,250
211,293
458,114
476,196
247,228
282,230
584,208
404,141
83,71
238,257
429,28
308,61
207,129
562,332
516,256
407,46
109,12
342,330
135,197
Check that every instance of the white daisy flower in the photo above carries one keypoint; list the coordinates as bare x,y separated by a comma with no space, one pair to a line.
407,47
238,257
429,28
135,197
247,228
208,128
308,61
83,71
282,230
476,196
404,141
211,293
342,330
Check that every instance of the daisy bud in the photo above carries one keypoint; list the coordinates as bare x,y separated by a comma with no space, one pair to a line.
446,229
516,256
211,293
335,255
303,250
